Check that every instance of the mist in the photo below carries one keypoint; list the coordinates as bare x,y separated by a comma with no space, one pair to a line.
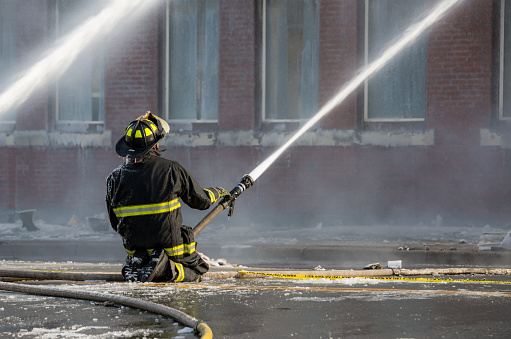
312,184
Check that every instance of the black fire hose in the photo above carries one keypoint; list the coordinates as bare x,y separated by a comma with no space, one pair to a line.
183,318
201,327
244,184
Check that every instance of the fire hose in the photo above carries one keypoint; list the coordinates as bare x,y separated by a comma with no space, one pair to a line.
227,202
199,326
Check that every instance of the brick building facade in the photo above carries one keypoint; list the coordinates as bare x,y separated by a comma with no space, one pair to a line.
450,158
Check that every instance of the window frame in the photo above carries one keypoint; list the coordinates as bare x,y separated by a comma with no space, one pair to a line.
288,123
365,117
180,124
502,62
8,125
78,125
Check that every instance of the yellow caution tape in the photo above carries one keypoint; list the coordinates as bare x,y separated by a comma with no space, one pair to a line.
334,277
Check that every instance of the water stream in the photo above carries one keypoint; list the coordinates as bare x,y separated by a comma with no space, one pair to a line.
411,34
61,57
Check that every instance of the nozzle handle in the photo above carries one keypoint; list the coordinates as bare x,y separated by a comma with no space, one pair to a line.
244,184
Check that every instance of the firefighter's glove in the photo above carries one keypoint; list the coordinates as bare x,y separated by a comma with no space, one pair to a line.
216,193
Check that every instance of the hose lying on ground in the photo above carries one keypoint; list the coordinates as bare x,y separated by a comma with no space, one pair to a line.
183,318
59,275
451,271
12,274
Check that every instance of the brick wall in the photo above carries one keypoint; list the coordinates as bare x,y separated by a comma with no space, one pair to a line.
338,59
460,69
132,73
237,64
456,178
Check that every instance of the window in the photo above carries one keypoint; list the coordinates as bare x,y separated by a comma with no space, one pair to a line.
398,91
505,62
7,49
291,43
80,93
192,49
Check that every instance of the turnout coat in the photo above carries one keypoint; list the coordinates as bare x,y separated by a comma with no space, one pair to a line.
144,205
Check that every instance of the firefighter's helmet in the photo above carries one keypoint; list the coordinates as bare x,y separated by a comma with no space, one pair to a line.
141,135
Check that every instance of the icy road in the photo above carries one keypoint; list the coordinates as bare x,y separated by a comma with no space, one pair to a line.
273,308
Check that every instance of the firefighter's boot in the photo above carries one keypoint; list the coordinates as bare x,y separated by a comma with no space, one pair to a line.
134,262
155,269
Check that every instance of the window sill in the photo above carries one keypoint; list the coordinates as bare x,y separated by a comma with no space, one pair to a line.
56,139
495,139
80,127
192,126
343,138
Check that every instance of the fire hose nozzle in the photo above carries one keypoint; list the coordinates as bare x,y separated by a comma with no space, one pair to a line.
245,183
227,202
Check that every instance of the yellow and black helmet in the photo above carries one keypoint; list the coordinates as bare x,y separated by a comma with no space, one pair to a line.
141,135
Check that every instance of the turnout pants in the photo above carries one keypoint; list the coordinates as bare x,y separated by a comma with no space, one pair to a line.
188,269
158,266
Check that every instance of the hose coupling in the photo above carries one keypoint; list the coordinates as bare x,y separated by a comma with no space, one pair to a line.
244,184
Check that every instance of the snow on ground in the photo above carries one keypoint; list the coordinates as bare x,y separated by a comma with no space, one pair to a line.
212,299
346,235
185,298
79,231
77,331
227,233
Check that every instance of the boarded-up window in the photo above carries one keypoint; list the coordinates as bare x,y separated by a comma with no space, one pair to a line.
80,94
291,59
398,91
192,62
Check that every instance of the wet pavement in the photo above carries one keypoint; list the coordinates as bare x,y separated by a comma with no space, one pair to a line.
471,306
298,256
450,306
338,246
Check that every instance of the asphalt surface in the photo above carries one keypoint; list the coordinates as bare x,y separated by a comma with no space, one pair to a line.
470,306
302,256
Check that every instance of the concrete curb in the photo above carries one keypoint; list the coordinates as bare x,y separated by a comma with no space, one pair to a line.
375,254
81,251
112,251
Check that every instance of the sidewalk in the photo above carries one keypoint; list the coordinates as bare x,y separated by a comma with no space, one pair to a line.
341,247
338,256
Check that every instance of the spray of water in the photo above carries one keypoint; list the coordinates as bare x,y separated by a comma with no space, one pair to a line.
408,37
60,58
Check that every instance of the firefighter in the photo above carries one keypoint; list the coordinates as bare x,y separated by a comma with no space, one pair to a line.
143,199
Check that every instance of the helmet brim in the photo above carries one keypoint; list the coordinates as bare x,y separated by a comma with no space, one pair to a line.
125,151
